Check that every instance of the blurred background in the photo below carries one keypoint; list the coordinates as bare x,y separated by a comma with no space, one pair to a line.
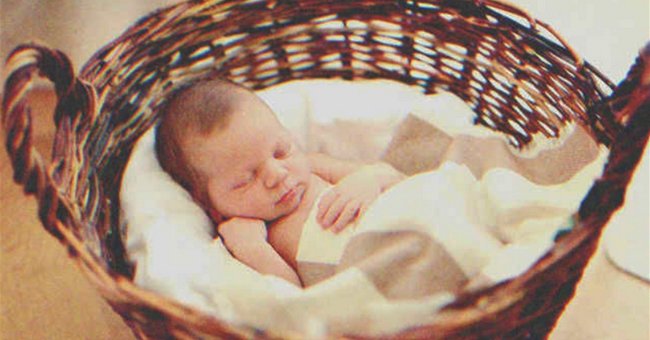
44,296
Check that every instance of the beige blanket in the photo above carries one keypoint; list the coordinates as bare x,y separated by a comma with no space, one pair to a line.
479,207
421,237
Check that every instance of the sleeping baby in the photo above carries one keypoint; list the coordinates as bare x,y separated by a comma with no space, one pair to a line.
225,146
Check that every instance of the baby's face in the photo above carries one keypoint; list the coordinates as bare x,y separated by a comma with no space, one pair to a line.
254,167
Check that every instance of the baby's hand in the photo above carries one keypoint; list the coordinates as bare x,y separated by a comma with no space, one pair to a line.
352,195
239,232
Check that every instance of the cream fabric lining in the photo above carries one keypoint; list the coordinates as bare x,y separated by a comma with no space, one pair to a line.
168,236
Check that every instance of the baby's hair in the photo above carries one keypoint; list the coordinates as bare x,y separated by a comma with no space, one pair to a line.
194,109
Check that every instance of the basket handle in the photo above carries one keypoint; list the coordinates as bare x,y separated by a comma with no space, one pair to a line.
633,93
75,100
630,106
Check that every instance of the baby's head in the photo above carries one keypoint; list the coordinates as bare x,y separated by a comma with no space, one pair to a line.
224,145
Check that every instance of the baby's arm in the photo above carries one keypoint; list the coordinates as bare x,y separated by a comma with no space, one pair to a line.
245,238
332,169
357,186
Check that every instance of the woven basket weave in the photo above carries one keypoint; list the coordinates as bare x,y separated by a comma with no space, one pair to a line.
517,73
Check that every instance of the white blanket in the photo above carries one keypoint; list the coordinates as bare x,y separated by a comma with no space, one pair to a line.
473,213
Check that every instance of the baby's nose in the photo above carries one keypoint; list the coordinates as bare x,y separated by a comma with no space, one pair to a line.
275,173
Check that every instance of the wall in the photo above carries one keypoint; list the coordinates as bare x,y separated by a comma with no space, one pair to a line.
77,27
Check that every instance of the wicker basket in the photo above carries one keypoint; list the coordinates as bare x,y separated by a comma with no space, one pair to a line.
517,73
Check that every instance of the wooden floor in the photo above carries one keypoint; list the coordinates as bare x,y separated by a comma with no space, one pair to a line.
44,296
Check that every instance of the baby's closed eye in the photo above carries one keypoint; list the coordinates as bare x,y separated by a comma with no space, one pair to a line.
243,182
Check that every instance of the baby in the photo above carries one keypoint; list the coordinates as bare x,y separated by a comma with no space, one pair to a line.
225,146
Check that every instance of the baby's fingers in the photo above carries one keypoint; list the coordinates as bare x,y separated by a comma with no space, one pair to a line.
362,210
333,212
349,214
324,204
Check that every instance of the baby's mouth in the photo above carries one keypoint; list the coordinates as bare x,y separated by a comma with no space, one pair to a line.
290,195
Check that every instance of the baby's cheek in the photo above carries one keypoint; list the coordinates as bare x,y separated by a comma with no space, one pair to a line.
232,206
302,167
